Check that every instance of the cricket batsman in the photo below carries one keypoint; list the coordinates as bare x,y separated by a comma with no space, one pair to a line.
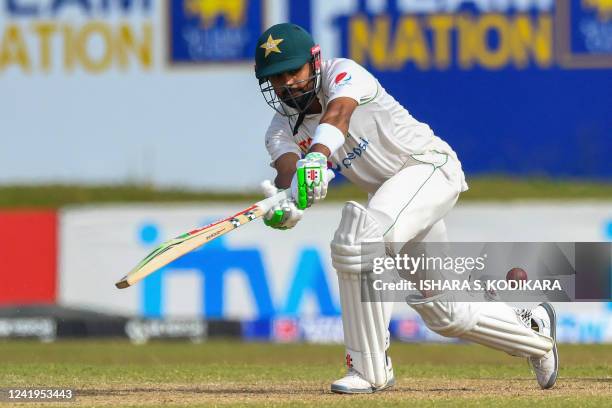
334,113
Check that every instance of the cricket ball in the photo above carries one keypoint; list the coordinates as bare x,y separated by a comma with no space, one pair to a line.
516,274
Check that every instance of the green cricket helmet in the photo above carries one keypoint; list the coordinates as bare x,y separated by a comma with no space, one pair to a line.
281,48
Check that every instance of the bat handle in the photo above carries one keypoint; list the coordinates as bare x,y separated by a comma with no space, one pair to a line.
270,202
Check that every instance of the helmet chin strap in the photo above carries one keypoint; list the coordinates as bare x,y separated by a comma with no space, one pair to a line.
298,122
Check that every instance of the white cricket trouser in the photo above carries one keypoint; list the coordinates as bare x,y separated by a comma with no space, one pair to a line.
410,207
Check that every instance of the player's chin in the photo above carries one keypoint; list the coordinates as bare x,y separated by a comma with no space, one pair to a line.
296,101
289,96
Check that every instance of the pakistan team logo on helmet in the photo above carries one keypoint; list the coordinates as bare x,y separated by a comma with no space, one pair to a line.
282,48
271,45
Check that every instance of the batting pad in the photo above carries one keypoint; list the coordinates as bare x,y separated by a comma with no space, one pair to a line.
492,324
365,324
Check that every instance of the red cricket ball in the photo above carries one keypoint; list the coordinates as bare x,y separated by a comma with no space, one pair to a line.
516,274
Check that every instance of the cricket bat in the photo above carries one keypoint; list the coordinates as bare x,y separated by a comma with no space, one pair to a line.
184,243
179,246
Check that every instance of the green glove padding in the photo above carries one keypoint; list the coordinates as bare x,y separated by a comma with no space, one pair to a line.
302,201
276,220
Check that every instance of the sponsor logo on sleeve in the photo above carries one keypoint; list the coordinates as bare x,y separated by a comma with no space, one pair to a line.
342,79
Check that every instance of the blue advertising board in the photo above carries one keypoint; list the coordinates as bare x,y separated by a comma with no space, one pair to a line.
216,259
516,87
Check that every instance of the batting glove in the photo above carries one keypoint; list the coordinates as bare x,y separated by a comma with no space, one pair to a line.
309,184
284,215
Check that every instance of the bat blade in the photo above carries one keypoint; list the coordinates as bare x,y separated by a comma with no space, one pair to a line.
179,246
171,250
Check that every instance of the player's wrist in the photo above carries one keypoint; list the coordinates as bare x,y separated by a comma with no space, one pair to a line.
316,157
328,136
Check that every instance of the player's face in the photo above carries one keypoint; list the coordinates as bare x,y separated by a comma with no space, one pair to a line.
292,87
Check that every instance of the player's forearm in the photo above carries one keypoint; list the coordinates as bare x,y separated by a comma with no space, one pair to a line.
283,181
339,118
331,133
339,112
285,168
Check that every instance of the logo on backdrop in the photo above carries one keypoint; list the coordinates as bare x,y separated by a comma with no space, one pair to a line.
603,8
585,33
213,262
202,31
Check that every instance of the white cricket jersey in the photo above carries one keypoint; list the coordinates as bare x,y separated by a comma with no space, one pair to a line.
382,138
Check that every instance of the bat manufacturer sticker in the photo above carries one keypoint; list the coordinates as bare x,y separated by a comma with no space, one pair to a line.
214,234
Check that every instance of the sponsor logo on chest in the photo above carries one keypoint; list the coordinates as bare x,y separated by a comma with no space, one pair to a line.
304,142
352,155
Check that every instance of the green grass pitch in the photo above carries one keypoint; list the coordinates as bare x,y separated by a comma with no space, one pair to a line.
229,373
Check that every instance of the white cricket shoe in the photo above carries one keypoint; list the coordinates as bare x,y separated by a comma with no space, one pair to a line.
546,368
354,383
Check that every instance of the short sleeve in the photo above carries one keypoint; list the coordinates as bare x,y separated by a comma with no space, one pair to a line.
346,78
279,139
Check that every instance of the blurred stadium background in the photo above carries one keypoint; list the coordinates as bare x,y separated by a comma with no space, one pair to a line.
124,123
